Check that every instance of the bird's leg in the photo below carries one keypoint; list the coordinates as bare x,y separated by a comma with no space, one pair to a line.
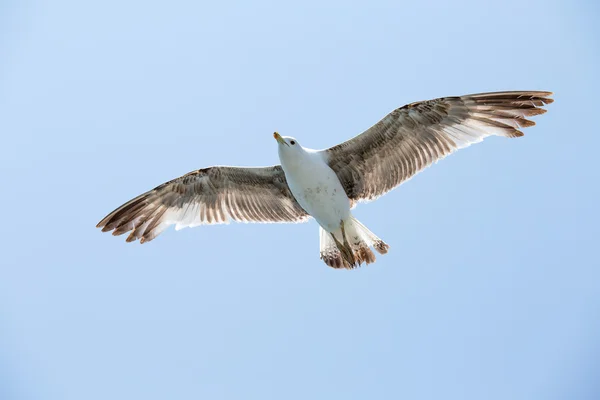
344,235
344,251
345,248
346,243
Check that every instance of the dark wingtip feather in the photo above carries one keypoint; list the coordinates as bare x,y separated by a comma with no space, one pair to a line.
515,134
104,222
525,123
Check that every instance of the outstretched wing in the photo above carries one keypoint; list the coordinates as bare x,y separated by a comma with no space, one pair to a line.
413,137
207,196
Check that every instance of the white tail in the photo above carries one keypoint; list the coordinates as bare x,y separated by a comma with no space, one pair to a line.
351,251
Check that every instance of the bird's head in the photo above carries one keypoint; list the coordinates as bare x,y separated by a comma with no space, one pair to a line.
287,141
290,151
288,146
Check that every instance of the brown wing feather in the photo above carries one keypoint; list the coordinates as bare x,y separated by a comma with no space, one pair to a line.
207,196
413,137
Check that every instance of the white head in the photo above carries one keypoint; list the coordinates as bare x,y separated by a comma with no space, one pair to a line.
290,150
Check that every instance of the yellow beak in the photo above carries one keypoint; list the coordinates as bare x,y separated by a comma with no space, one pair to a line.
278,137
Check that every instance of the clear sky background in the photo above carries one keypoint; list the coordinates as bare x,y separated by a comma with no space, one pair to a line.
491,289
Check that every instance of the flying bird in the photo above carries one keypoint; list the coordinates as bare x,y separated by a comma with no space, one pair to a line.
327,184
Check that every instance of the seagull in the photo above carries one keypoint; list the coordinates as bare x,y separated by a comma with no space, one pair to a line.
327,184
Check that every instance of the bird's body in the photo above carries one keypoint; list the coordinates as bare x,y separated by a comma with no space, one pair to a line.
315,186
327,184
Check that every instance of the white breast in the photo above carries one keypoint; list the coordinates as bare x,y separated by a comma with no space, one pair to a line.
317,189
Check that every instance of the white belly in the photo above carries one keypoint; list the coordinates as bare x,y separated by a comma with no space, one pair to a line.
319,192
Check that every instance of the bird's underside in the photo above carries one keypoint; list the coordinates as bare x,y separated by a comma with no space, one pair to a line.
369,165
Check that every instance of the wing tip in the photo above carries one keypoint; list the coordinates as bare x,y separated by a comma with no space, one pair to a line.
515,134
104,222
526,123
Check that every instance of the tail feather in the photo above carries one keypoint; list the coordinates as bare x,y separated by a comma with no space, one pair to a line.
359,239
371,239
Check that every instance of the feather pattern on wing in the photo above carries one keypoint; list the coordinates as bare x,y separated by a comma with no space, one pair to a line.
207,196
413,137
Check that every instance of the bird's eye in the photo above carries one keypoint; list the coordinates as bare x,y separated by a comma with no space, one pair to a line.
293,142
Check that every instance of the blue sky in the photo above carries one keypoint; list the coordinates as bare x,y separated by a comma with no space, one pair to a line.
491,287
